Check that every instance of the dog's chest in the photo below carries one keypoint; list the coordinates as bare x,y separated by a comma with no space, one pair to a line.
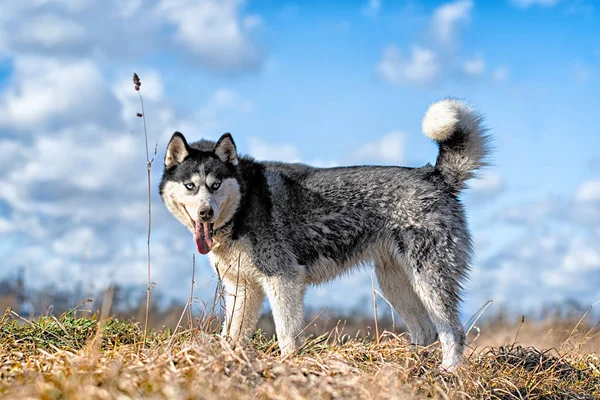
232,259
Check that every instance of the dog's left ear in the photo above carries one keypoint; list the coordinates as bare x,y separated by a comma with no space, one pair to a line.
225,149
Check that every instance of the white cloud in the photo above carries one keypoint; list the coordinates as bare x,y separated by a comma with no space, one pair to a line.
372,8
556,256
427,65
581,256
44,91
215,34
586,208
223,105
5,226
264,151
389,149
536,269
582,209
214,31
66,174
474,67
129,8
80,242
490,182
532,213
69,5
487,187
500,74
251,22
227,99
65,29
84,155
421,67
529,3
50,31
588,192
319,163
448,19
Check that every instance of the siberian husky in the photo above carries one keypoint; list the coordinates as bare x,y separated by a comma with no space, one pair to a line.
271,228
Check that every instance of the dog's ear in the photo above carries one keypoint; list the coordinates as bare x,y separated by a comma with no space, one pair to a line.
225,149
177,150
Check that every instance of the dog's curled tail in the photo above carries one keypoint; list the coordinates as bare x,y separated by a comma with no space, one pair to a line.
463,142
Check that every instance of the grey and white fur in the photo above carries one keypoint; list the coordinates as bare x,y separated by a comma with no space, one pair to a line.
271,228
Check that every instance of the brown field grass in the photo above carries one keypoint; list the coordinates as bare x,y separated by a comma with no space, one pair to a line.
80,358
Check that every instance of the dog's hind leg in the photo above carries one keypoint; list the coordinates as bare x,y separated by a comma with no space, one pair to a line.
243,301
436,268
397,289
286,296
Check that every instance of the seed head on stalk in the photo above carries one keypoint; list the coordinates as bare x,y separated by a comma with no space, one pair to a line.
137,84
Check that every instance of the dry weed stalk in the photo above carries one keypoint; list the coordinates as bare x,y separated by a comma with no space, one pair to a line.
191,299
579,323
375,309
187,307
519,329
138,83
93,347
378,293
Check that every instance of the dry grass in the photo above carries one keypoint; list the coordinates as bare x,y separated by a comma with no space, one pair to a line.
57,358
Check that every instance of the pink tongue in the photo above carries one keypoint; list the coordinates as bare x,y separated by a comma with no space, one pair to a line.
203,238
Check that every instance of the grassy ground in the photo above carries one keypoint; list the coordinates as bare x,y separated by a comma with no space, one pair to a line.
66,357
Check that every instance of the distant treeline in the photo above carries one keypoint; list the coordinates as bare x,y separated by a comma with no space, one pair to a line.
129,303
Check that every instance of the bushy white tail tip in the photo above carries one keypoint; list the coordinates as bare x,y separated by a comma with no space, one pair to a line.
443,118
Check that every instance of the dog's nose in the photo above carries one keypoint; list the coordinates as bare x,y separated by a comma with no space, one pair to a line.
206,212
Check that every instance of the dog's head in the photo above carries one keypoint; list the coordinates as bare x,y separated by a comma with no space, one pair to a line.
200,185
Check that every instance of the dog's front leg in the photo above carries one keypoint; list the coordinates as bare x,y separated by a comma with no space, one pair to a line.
243,301
286,296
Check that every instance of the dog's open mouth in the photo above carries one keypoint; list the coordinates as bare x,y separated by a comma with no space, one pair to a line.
203,236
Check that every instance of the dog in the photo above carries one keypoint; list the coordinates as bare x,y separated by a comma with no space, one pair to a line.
272,228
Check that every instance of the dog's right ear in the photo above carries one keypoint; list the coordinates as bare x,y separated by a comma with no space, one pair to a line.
177,150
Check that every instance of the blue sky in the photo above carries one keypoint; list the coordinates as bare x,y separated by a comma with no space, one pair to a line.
327,84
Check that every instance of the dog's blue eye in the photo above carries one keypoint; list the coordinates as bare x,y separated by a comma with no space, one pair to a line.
189,186
215,185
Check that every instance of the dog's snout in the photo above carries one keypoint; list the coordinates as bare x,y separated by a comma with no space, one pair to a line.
206,212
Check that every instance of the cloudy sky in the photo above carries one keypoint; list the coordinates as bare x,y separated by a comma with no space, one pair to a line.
326,84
